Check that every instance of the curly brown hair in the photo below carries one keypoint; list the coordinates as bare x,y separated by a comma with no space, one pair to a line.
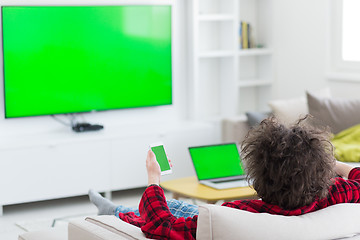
289,166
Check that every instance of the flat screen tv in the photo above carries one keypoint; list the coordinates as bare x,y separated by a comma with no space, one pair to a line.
70,59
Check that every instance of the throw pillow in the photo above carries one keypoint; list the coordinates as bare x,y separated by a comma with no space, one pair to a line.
338,114
254,118
290,110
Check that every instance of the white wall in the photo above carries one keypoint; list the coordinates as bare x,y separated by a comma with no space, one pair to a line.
301,51
111,119
300,42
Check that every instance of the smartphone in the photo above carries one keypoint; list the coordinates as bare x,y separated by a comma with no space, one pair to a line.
160,154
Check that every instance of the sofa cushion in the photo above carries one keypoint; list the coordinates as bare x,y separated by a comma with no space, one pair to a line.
290,110
234,129
334,222
255,118
338,114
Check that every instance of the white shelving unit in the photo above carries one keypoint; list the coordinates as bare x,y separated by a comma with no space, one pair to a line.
227,80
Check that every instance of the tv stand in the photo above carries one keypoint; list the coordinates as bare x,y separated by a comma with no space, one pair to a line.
52,161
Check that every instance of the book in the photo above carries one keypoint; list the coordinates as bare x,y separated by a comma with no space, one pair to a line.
240,36
244,37
248,36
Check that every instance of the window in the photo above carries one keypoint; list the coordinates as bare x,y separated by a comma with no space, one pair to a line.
345,35
350,30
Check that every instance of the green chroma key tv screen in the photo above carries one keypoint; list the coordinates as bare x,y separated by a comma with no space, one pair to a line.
68,59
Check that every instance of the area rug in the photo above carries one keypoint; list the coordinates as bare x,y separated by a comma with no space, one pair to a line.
45,223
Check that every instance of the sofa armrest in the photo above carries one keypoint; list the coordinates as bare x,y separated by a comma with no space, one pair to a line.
235,129
104,227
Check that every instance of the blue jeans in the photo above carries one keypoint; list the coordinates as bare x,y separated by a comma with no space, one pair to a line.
177,208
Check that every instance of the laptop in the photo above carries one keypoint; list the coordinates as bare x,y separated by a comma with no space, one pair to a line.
219,166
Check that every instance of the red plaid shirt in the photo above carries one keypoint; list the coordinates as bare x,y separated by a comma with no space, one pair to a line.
156,221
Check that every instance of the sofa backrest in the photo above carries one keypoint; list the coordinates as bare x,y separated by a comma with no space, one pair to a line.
334,222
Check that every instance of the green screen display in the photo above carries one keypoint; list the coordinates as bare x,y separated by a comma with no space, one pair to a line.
216,161
161,157
67,59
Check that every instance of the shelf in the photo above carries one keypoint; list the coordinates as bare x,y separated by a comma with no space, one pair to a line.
215,54
214,6
229,81
216,17
254,83
255,52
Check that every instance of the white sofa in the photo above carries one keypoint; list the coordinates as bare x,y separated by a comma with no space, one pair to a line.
341,221
338,114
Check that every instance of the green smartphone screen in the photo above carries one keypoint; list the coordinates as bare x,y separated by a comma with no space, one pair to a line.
161,157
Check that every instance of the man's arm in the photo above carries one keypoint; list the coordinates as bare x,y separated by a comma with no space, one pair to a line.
159,222
343,169
343,191
153,169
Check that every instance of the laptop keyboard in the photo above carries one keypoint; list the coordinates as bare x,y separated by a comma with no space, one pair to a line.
227,180
230,184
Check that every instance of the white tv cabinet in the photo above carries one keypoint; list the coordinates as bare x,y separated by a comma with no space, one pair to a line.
64,163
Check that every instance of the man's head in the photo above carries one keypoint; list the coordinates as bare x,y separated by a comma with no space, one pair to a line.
289,166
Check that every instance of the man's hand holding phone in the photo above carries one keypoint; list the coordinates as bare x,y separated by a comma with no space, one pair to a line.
157,163
153,169
161,157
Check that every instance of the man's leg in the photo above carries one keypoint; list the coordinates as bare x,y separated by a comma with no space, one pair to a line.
106,207
182,209
123,209
177,208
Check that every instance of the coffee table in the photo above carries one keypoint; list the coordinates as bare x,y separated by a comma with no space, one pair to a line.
189,187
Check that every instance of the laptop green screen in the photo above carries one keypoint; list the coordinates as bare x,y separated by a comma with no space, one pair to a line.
216,161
